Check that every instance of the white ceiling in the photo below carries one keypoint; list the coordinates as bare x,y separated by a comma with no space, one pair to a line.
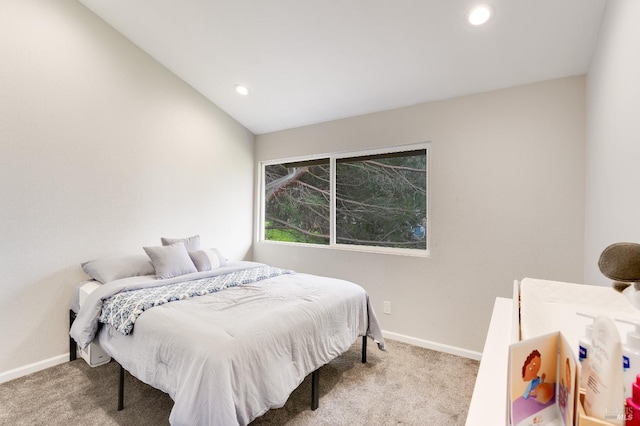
309,61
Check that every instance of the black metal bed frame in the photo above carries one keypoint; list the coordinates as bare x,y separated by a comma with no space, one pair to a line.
315,376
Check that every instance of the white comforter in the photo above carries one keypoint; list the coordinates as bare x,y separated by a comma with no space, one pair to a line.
228,357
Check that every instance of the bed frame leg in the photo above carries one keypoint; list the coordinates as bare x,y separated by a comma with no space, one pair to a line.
73,346
364,349
315,389
121,390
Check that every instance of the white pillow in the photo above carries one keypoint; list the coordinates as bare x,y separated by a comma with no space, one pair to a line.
170,261
191,243
208,259
114,268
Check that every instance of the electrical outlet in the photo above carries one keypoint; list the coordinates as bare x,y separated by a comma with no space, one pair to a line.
387,308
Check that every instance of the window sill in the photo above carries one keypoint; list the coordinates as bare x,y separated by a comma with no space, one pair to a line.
361,249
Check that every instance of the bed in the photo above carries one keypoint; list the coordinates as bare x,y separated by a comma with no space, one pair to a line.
227,342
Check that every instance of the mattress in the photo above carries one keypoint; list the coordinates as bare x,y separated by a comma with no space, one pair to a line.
549,306
93,354
80,293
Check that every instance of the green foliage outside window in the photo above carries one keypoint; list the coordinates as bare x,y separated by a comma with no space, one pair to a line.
381,200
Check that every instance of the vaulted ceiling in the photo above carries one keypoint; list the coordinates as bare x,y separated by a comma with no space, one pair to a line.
309,61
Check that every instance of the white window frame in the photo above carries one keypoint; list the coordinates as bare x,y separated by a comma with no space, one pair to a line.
332,216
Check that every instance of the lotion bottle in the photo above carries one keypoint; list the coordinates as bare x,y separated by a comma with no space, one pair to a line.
584,349
630,356
604,395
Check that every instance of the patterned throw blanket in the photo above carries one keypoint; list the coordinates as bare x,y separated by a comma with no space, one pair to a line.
121,310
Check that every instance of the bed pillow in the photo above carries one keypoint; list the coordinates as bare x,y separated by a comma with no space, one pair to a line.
114,268
190,243
206,260
170,261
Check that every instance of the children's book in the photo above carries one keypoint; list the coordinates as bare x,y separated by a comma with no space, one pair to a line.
542,382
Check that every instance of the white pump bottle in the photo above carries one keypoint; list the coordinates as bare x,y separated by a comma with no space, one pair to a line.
584,349
630,355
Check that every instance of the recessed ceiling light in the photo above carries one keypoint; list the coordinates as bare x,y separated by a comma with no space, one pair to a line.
242,89
479,14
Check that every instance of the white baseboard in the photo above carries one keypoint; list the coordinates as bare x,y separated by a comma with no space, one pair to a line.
433,345
33,368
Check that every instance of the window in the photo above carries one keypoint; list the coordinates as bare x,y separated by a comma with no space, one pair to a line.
297,202
371,200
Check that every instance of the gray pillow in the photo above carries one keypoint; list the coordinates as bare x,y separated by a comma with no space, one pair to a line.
114,268
170,261
190,243
206,260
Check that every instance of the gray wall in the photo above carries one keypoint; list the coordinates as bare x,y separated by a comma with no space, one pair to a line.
613,136
507,202
102,151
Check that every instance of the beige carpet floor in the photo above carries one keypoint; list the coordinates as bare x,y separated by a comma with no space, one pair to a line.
406,385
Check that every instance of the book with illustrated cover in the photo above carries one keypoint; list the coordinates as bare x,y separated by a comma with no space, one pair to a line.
542,382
